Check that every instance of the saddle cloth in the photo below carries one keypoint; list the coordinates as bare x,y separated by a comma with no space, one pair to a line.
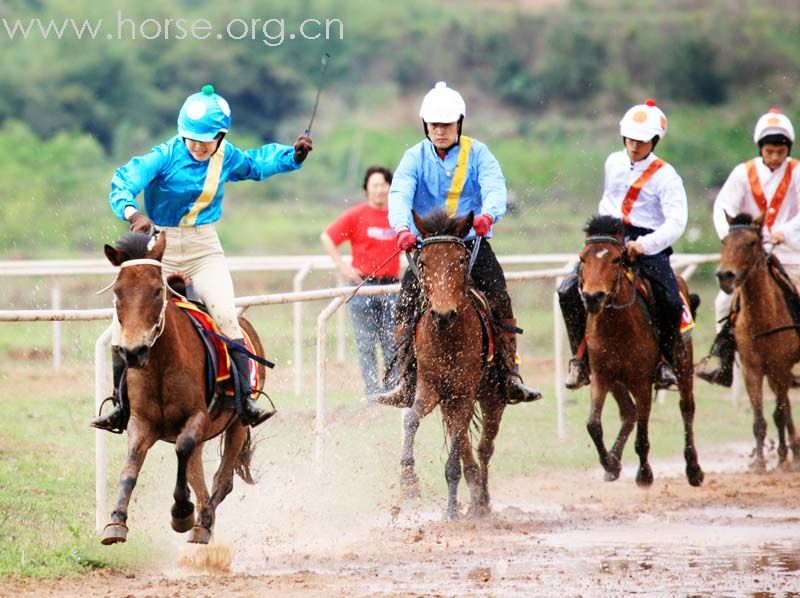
218,360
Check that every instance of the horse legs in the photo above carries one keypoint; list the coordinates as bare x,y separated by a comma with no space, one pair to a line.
783,419
468,462
627,414
201,532
409,483
492,410
686,388
185,444
644,400
140,439
595,428
754,382
235,437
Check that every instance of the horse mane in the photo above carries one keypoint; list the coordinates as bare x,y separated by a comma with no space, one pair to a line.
439,223
743,219
134,245
608,226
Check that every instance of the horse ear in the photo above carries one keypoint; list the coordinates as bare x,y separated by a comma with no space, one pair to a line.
157,251
464,224
418,223
114,255
729,218
759,222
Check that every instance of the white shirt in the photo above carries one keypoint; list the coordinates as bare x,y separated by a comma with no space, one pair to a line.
736,197
661,205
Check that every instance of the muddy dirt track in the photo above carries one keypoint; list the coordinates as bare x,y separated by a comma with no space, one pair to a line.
569,534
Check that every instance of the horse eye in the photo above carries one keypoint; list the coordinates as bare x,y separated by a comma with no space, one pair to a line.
157,293
616,260
753,243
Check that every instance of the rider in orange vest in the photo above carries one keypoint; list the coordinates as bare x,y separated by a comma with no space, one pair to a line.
648,196
768,185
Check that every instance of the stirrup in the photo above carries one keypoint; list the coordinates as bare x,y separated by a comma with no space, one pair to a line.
111,421
518,392
578,374
720,376
665,376
396,397
254,414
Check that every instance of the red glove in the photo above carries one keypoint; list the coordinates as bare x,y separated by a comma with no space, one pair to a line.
482,225
406,240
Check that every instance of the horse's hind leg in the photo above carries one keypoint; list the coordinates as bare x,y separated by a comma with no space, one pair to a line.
644,400
468,462
139,442
492,412
783,419
594,426
235,438
185,444
686,388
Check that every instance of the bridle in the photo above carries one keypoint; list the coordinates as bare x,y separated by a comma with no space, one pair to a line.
473,255
754,229
158,328
596,239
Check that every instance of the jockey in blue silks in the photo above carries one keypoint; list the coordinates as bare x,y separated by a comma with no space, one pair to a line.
450,171
183,184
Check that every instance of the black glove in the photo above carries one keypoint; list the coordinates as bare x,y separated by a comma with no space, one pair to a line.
302,146
141,223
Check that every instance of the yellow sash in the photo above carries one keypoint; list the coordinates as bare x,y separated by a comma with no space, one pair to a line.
209,187
459,176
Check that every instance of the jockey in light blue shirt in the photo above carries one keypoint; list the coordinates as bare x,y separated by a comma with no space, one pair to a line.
422,181
455,173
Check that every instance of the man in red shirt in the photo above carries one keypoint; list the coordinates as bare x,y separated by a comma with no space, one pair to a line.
372,242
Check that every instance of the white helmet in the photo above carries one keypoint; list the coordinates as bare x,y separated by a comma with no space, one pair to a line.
442,105
773,123
643,122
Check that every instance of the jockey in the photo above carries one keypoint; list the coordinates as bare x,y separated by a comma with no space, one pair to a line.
770,185
183,180
451,171
647,194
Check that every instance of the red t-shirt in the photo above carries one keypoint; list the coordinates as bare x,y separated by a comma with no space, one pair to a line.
372,240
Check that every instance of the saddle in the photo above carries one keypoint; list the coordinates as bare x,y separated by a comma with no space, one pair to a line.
790,294
220,385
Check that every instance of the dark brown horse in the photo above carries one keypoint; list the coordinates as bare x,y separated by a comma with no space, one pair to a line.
450,363
762,308
167,391
623,354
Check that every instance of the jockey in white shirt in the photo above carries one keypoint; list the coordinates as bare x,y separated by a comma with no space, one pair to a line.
770,185
647,194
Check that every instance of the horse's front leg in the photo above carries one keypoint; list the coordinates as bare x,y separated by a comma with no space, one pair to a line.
427,398
185,444
491,413
627,415
685,373
594,426
472,474
643,395
754,382
201,532
452,470
782,416
140,439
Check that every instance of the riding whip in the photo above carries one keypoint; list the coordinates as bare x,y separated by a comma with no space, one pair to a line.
363,282
322,66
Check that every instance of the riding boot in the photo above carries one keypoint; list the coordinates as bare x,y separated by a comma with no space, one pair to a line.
405,361
724,349
250,413
515,391
115,420
575,319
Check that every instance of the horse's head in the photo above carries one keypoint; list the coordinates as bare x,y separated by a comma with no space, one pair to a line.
602,262
140,295
741,250
443,263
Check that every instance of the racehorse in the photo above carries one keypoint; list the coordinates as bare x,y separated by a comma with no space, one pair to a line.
624,353
762,309
451,362
166,389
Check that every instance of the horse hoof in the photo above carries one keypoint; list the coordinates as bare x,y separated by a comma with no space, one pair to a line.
644,477
451,515
200,535
183,524
758,466
113,533
611,476
695,475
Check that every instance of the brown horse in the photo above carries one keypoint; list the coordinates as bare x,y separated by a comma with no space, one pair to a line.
762,308
166,393
624,353
450,363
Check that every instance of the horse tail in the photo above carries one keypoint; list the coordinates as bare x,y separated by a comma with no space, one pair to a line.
694,303
242,465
